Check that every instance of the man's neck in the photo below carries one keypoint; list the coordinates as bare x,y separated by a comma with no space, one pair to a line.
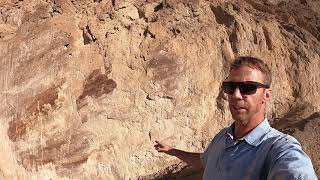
243,128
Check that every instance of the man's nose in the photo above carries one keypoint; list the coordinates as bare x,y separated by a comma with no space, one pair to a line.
236,94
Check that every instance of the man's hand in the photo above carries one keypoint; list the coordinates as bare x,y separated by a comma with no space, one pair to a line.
161,147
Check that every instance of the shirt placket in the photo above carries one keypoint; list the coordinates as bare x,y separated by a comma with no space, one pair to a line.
230,149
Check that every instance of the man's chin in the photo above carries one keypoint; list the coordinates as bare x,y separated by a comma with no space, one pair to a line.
239,118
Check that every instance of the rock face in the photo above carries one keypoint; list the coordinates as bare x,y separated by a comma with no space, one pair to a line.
87,86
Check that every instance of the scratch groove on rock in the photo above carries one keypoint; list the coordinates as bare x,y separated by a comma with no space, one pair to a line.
268,38
222,16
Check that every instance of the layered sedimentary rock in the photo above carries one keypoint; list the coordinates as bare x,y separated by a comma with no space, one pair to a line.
87,86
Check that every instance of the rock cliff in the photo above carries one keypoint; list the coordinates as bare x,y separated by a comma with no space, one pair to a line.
88,85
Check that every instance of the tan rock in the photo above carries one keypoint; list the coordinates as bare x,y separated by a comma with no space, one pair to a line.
88,86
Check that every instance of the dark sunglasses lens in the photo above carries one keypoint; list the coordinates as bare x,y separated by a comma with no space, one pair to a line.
247,88
229,87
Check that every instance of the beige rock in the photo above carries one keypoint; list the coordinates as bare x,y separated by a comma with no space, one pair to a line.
88,86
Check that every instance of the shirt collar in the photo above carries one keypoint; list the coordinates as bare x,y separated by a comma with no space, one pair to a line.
255,136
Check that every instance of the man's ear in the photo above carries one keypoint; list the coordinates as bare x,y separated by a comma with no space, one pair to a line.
267,95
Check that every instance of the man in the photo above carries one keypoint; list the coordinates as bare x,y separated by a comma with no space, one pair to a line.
249,148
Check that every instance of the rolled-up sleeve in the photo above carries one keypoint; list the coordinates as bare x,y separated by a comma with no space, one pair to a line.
289,162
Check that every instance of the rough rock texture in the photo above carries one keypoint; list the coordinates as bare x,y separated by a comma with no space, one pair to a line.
88,85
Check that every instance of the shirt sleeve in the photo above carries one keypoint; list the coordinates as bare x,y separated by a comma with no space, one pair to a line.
289,161
204,155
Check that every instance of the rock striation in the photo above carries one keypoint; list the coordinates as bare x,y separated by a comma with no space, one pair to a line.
87,86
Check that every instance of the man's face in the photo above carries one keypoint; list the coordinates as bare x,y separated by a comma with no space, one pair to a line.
245,108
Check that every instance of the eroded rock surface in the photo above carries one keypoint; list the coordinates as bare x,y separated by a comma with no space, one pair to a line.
87,86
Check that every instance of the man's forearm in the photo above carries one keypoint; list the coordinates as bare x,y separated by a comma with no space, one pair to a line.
192,159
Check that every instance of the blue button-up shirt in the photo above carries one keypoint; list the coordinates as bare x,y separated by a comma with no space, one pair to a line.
264,153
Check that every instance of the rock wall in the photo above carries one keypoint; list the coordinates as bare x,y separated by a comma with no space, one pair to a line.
87,86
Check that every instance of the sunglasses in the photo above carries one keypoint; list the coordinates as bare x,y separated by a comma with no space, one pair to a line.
245,87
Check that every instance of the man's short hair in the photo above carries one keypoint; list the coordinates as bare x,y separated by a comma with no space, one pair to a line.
254,63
